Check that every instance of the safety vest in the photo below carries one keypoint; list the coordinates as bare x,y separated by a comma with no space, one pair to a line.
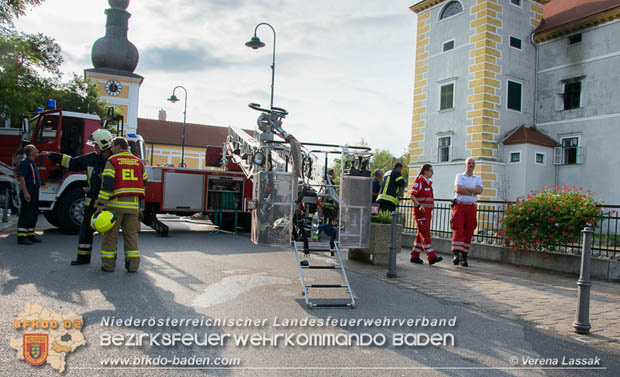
392,181
423,192
128,174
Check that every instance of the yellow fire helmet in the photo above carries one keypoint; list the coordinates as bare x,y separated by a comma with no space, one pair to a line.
103,221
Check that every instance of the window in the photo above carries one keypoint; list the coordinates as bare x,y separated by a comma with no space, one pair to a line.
516,2
451,9
570,152
573,39
446,101
447,46
48,130
444,147
514,95
572,94
515,157
515,42
540,158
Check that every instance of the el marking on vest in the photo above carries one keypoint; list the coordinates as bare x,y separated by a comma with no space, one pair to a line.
128,175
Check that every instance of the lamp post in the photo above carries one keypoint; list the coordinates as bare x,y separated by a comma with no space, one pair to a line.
256,43
174,99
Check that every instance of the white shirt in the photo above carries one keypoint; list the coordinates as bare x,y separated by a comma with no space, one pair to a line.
464,180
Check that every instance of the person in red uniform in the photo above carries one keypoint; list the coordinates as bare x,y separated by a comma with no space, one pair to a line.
467,187
422,198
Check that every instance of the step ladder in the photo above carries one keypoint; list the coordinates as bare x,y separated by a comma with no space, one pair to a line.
304,264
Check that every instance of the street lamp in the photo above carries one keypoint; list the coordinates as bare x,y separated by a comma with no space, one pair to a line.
256,43
174,99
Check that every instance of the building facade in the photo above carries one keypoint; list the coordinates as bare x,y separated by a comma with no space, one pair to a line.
485,68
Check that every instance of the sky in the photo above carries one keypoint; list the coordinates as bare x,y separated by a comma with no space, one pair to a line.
344,69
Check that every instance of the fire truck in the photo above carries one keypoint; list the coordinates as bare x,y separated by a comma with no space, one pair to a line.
221,193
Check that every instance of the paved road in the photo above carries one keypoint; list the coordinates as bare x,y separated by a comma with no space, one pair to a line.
205,276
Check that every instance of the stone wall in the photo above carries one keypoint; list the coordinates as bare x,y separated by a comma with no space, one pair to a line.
603,269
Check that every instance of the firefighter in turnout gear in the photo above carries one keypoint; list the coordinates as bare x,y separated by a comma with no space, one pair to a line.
93,163
122,189
392,187
422,198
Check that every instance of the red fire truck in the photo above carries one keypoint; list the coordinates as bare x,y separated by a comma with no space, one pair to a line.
220,193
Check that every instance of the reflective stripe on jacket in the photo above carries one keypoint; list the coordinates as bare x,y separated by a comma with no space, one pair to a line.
392,183
123,175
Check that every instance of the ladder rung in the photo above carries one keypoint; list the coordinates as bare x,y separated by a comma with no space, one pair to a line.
326,286
331,305
323,267
321,249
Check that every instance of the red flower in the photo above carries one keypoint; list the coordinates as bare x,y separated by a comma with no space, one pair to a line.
557,208
551,235
552,219
564,232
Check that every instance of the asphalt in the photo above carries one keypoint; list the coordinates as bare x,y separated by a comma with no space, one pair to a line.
207,275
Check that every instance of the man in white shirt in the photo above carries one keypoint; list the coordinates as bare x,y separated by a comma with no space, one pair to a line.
467,187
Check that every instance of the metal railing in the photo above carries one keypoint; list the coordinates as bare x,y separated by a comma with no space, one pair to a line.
605,243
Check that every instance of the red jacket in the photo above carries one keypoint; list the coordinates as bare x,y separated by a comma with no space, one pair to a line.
423,192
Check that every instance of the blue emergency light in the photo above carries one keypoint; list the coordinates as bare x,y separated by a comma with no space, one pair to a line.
51,104
132,135
39,110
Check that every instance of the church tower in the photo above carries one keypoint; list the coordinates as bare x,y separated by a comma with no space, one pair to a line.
114,59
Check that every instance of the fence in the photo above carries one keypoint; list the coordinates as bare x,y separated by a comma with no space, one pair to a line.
606,242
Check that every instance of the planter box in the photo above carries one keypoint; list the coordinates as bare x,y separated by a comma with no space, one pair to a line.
379,251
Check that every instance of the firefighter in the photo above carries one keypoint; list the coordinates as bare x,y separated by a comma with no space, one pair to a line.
329,206
422,197
467,187
29,182
392,187
124,178
93,163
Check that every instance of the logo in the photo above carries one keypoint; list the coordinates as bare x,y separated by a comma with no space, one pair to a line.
35,348
47,337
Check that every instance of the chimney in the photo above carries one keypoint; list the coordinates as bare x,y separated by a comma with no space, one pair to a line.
162,114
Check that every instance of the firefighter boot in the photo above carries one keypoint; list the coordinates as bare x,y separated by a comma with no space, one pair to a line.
415,258
464,260
132,264
108,264
457,258
22,240
81,259
34,238
433,258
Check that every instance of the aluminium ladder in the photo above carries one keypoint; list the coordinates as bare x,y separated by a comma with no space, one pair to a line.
305,265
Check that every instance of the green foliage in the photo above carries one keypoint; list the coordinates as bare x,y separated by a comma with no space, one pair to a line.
30,75
81,96
384,217
550,217
11,9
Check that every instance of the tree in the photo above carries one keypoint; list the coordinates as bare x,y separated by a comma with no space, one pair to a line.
14,9
22,58
30,75
382,159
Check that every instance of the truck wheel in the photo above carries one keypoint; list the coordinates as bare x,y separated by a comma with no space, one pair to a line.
71,211
52,217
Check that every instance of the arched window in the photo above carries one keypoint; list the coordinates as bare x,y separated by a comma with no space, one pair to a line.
451,9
